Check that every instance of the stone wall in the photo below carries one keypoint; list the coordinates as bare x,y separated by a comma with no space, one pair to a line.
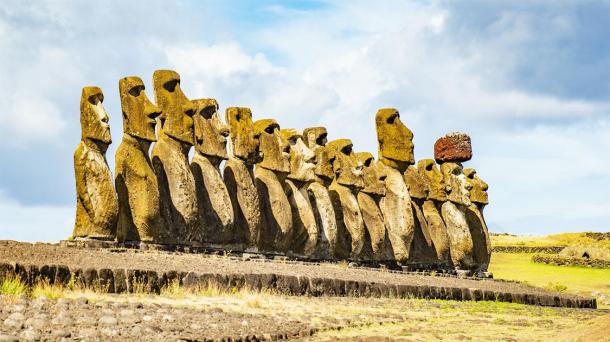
133,280
559,260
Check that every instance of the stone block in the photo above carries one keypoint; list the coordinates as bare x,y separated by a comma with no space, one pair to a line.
236,280
287,284
120,280
89,277
106,280
191,280
303,285
33,275
453,147
62,275
48,272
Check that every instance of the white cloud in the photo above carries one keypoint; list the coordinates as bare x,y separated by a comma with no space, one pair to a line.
332,66
34,223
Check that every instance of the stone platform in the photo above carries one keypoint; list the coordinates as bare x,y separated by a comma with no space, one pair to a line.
117,270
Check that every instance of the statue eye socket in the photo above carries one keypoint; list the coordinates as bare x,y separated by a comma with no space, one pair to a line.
321,139
208,112
347,150
392,118
292,141
95,99
368,162
429,167
135,91
269,130
171,85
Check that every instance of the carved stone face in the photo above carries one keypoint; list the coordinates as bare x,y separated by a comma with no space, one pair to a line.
273,147
373,175
395,140
139,113
418,185
455,178
436,182
316,138
210,132
478,194
177,111
244,145
347,168
93,116
301,157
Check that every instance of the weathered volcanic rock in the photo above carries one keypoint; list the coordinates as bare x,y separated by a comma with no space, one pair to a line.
453,147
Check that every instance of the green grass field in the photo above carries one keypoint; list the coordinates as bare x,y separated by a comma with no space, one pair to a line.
579,280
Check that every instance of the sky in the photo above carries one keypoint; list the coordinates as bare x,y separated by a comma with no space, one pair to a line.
528,81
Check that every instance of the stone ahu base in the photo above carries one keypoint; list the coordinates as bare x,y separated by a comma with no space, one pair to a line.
237,251
123,270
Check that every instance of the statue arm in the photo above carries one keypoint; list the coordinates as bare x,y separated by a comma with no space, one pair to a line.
80,170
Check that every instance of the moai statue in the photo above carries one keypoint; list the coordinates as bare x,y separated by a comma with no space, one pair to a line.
96,201
239,177
270,175
437,195
422,248
368,201
396,154
450,151
343,193
315,138
304,227
140,216
215,209
476,220
170,159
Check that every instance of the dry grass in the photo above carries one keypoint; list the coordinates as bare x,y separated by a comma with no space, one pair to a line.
564,239
416,319
13,286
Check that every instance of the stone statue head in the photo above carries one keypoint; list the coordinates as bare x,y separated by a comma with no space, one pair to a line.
139,114
244,145
430,173
395,140
418,185
316,138
478,194
273,147
301,157
210,132
177,111
93,116
459,188
347,168
373,175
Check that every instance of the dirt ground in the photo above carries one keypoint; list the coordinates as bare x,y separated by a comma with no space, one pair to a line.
38,254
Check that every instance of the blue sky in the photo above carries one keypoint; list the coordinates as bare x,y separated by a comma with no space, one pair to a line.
529,81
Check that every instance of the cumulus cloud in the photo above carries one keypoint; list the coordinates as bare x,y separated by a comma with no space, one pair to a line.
529,82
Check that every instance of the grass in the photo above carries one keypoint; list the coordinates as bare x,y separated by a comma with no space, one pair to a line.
13,286
44,289
571,279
